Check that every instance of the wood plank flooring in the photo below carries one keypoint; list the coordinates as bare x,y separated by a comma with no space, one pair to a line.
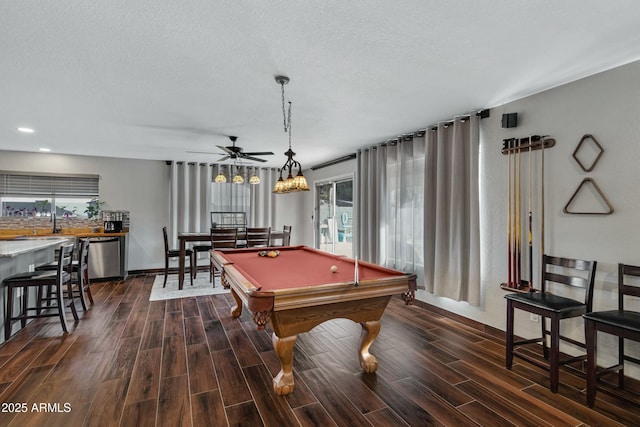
186,362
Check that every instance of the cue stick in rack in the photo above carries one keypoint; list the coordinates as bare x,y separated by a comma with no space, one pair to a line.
542,196
530,218
514,220
519,219
509,249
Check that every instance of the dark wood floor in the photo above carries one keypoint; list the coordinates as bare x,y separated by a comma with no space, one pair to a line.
131,362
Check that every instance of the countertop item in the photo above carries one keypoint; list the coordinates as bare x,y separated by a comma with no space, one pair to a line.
12,248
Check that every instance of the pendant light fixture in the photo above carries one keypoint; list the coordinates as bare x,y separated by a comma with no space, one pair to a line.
291,184
221,178
255,179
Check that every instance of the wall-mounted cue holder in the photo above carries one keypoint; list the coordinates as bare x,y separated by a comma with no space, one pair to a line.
532,143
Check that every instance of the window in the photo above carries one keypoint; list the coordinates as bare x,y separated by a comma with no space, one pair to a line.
32,195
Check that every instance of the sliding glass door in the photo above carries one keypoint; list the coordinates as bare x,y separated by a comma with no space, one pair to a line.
334,216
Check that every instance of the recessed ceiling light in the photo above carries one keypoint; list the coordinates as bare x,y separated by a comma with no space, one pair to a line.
45,150
26,130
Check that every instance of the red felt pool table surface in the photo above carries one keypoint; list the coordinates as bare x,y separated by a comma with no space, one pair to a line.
300,266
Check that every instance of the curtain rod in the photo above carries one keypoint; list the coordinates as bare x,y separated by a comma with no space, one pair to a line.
334,162
482,114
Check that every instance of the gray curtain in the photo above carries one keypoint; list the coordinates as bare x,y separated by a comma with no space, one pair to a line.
190,198
418,207
371,197
451,217
194,196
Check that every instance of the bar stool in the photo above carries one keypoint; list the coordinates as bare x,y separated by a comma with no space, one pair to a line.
50,287
621,323
80,269
553,307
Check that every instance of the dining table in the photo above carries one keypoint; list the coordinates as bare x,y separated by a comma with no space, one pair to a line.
201,236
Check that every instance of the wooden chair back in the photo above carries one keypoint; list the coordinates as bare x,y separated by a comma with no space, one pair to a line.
625,287
224,238
258,236
286,239
575,272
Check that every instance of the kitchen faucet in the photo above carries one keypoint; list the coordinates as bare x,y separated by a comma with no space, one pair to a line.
53,219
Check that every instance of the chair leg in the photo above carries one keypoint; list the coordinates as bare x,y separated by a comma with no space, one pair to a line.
192,269
554,359
87,290
83,302
545,347
87,286
72,302
509,344
8,322
25,304
621,362
61,313
592,377
166,270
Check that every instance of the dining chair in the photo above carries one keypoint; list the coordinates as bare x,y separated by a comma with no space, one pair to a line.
196,249
625,324
258,236
222,238
556,271
175,253
50,287
286,239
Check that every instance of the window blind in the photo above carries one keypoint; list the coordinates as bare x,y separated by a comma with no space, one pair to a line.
16,184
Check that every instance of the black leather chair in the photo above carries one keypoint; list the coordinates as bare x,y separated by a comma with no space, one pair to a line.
553,307
50,287
624,324
175,253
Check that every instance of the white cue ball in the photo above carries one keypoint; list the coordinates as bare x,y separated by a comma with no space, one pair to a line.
334,268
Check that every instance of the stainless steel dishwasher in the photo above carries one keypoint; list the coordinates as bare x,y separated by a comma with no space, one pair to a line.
105,259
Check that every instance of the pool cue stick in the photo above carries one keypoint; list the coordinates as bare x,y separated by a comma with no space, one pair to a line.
519,219
514,226
530,218
542,195
509,272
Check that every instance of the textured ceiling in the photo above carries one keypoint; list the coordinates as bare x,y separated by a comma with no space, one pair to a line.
153,79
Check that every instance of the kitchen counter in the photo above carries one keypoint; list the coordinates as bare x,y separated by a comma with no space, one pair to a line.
41,233
12,248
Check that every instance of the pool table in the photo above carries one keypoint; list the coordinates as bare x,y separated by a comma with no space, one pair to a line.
297,290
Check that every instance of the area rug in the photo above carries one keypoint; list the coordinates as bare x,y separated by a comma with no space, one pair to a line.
201,286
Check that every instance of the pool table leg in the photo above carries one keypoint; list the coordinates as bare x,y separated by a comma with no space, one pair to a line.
370,330
237,310
283,382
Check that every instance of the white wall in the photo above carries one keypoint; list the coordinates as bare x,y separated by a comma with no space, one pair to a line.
139,186
608,107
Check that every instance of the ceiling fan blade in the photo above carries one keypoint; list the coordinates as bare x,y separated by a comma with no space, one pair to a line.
225,149
204,152
256,159
259,153
222,159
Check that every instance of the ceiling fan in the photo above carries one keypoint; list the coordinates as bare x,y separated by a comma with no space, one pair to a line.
236,153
